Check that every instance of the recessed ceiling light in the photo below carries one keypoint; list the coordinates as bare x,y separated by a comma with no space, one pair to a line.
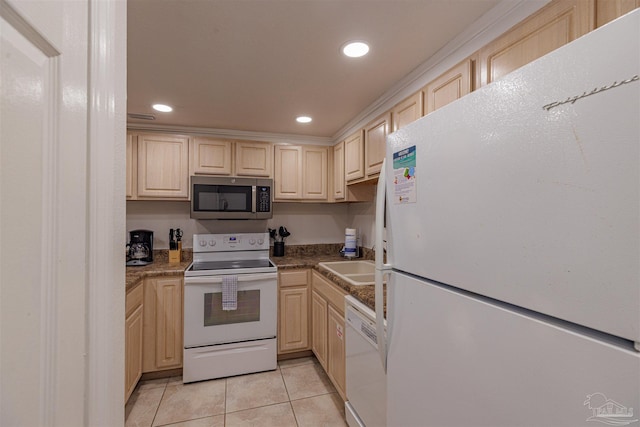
162,107
303,119
355,49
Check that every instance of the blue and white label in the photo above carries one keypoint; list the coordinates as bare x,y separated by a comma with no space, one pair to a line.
404,176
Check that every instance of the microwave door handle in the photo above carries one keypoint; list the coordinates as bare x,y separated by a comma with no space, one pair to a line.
253,199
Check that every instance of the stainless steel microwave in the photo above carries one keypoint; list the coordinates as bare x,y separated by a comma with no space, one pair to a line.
230,198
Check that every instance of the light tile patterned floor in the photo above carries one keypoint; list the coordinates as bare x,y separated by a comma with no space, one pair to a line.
297,394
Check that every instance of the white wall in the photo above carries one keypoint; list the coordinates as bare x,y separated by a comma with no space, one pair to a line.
308,223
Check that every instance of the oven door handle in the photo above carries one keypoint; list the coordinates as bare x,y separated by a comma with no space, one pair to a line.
199,280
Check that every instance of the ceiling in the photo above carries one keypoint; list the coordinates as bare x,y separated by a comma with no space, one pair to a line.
255,65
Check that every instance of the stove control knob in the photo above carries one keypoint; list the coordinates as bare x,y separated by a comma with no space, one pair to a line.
252,241
212,242
203,243
260,241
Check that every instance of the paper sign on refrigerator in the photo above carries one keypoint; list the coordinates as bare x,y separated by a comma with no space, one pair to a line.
404,176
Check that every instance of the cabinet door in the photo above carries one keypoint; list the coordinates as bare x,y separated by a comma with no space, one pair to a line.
133,351
288,172
133,338
314,172
338,171
375,138
163,166
553,26
451,85
162,324
132,166
608,10
319,328
253,158
354,156
293,334
335,351
208,156
407,111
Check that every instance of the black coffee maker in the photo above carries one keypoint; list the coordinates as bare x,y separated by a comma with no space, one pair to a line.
140,247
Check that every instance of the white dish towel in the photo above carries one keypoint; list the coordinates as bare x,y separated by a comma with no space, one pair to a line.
229,292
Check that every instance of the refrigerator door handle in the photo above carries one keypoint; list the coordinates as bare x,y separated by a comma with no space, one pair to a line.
381,267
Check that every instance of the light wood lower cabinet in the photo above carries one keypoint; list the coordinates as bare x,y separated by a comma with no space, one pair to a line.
327,324
162,342
293,311
319,328
133,340
336,358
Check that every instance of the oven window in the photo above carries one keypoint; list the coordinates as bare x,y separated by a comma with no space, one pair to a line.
248,309
222,198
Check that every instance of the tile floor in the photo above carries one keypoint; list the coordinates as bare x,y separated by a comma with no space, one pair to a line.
297,394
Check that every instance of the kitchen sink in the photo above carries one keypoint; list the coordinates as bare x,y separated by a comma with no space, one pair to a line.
357,273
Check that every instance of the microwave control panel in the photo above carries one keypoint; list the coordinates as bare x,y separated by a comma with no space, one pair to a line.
263,199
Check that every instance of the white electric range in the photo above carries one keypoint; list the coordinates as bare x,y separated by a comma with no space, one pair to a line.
230,307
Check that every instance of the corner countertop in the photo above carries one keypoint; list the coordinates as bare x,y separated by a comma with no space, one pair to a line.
159,267
303,256
310,259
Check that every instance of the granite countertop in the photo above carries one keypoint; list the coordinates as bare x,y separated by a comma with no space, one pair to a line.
159,267
300,256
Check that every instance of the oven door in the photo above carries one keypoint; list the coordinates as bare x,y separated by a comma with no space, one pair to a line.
206,323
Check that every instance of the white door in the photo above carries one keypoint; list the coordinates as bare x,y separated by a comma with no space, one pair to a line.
50,333
455,360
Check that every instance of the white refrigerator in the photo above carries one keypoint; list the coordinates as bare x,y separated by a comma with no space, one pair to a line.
513,237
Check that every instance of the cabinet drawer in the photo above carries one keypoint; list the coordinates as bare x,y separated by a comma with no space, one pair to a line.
294,278
133,300
329,291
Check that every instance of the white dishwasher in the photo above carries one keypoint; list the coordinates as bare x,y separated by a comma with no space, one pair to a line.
366,380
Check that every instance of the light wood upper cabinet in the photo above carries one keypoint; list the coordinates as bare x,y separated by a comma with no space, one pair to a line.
163,343
132,166
209,156
553,26
448,87
375,140
301,172
288,172
293,311
133,339
608,10
253,158
163,166
407,111
354,156
315,166
338,172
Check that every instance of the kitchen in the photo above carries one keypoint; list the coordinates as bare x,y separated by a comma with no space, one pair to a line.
355,215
